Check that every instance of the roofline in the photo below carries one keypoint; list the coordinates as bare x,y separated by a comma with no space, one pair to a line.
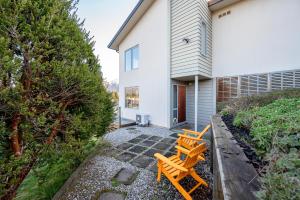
213,2
125,22
215,5
139,10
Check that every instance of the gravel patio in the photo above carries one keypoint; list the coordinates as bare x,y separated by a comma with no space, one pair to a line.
127,169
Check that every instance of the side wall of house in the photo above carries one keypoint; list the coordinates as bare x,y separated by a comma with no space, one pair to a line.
186,19
152,76
256,37
206,102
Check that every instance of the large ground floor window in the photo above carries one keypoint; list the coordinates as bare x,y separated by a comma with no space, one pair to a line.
132,99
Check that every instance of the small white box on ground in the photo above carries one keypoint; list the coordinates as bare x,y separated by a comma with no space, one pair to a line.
143,120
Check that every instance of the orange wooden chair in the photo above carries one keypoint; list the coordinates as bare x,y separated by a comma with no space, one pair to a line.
190,139
176,169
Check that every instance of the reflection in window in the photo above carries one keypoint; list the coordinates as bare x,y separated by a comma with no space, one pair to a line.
132,58
128,60
135,57
132,97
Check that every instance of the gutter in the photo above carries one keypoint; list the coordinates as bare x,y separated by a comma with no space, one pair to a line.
212,4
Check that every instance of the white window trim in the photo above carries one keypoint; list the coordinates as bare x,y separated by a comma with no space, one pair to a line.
131,64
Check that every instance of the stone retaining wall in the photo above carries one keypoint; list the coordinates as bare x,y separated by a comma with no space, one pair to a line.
234,177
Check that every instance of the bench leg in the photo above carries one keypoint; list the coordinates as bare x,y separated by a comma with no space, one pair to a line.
198,178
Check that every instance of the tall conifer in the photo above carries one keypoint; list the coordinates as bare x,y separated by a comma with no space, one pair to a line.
51,88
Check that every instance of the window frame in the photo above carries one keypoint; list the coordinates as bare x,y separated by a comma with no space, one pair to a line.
131,50
204,44
125,95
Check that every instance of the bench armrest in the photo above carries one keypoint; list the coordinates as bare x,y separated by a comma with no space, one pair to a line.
169,162
189,137
183,150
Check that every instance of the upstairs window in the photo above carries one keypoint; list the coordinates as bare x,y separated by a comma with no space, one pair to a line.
132,58
203,39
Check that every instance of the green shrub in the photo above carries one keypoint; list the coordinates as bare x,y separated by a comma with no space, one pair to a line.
277,124
54,168
275,129
51,89
249,102
282,180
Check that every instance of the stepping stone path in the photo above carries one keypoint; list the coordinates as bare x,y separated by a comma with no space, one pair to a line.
161,146
174,135
125,156
151,152
148,143
135,140
142,161
143,136
125,146
137,149
126,176
123,170
168,140
155,138
111,196
133,130
140,150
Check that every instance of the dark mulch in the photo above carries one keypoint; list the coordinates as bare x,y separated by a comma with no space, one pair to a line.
243,138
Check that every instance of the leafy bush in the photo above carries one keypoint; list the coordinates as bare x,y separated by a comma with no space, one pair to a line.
275,125
275,129
54,168
282,180
248,102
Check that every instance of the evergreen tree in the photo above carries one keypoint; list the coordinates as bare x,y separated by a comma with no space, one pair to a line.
51,89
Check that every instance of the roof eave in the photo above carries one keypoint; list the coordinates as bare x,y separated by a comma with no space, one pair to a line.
215,5
135,15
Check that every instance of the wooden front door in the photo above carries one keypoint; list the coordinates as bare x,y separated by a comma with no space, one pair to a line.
181,103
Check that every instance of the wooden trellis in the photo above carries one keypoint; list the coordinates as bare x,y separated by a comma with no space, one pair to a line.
253,84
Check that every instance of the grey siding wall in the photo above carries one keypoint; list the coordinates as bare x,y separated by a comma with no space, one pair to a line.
186,19
205,102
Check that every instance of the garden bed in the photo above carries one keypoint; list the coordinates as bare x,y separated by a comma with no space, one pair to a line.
234,176
243,138
267,129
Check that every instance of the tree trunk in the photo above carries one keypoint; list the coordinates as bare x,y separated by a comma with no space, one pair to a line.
54,130
15,137
57,124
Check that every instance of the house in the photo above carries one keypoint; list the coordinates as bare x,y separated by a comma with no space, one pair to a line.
179,58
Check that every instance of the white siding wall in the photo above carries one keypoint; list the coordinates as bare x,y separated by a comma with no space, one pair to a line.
186,19
151,34
206,104
257,37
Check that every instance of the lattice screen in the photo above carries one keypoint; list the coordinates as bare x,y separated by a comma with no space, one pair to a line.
246,85
227,88
284,80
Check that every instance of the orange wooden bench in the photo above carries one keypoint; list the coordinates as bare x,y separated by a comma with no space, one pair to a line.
190,139
176,169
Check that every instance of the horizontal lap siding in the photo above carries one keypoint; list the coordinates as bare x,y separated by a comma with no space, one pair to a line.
186,19
206,61
205,102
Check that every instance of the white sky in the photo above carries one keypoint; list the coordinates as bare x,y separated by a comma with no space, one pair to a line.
103,18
